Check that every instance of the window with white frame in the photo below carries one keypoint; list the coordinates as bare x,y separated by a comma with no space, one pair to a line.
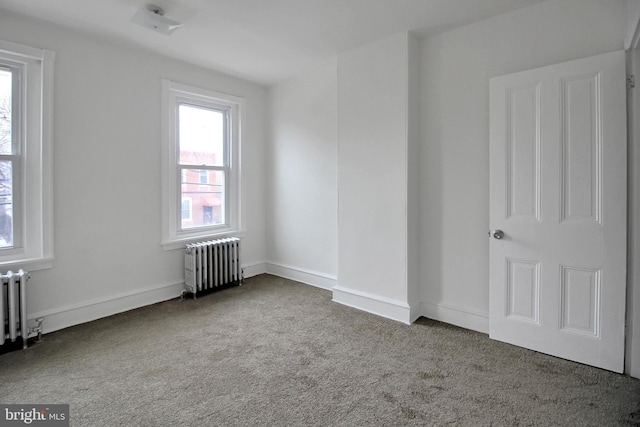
26,95
201,168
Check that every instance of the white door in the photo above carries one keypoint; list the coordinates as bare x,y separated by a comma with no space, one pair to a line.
558,195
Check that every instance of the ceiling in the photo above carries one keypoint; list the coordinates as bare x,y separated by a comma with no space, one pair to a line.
265,41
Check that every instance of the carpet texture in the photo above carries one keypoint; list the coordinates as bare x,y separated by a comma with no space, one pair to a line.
274,352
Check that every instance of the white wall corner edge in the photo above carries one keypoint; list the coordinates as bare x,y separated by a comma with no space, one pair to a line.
374,304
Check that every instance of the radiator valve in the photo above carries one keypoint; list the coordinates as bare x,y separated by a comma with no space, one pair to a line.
37,329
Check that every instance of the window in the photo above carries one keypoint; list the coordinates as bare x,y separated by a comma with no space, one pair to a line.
186,210
204,177
26,76
201,168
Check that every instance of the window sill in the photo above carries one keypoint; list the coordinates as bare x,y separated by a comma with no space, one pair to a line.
26,265
181,243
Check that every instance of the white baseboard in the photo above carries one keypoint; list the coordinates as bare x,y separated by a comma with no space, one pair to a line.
313,278
86,311
464,318
375,304
254,269
415,312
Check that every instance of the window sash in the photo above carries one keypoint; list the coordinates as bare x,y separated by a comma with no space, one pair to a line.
183,166
226,134
173,236
18,90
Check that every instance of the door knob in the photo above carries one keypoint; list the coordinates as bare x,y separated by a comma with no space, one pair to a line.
496,234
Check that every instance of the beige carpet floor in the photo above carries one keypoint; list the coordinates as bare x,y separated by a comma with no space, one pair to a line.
279,353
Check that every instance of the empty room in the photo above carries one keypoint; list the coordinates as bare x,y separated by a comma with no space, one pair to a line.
320,212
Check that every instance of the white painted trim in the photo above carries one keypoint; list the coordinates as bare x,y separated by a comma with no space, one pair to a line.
254,269
87,311
632,352
462,317
415,311
22,50
375,304
309,277
47,156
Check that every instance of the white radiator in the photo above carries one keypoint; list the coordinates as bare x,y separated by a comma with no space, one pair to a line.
208,265
13,307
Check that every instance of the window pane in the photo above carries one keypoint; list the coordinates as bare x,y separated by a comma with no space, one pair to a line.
201,135
206,200
5,111
6,205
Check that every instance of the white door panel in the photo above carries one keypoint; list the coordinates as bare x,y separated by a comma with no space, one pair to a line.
558,192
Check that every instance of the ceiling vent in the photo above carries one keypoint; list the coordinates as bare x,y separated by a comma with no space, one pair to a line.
152,17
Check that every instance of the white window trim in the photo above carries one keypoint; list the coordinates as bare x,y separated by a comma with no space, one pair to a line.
172,237
36,250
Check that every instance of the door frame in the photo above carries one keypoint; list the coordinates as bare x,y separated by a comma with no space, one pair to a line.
632,352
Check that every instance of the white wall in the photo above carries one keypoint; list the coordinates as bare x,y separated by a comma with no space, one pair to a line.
373,177
455,70
107,174
302,179
633,17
